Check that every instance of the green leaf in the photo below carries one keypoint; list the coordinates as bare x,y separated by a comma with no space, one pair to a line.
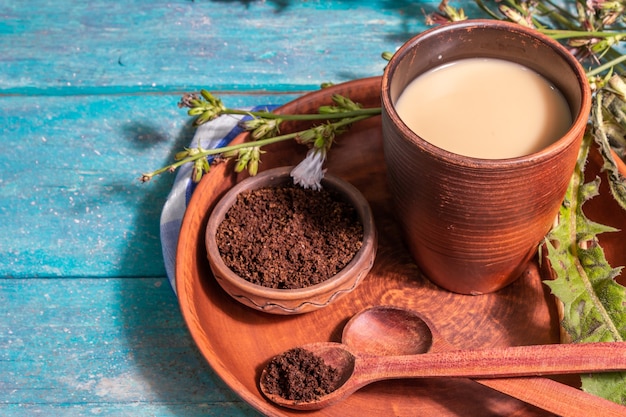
593,302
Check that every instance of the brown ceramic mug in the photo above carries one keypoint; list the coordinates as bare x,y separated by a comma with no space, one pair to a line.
473,224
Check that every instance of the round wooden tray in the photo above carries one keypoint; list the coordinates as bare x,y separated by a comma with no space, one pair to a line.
238,341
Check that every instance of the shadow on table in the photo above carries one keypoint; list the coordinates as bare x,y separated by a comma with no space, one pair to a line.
169,369
410,12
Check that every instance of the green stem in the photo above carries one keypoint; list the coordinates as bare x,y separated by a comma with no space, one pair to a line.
316,116
216,151
487,10
607,66
566,34
203,153
557,14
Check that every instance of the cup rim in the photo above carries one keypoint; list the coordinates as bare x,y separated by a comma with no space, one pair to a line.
578,124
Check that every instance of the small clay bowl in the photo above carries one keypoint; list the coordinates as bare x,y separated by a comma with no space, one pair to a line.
292,301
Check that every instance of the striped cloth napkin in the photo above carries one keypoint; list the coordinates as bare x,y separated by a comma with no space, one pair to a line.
214,134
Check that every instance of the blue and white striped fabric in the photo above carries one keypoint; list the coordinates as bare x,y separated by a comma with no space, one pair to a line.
217,133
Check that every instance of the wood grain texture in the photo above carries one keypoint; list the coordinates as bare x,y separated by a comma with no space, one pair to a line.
522,313
357,369
71,204
85,47
104,347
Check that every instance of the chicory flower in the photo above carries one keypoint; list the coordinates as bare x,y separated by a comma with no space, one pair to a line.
309,172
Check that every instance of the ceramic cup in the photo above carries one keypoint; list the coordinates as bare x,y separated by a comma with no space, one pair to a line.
473,224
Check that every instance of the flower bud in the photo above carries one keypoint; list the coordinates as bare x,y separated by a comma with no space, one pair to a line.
197,171
515,16
251,124
244,157
194,111
204,117
307,136
328,109
260,132
253,167
241,165
387,55
230,154
266,128
618,84
208,96
181,155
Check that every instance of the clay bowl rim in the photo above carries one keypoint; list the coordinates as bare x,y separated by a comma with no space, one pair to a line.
577,126
354,196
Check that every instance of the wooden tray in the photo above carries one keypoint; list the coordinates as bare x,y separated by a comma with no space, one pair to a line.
238,341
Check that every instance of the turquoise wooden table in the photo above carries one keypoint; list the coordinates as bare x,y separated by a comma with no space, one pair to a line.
89,324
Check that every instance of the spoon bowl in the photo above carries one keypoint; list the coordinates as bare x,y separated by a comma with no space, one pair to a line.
386,331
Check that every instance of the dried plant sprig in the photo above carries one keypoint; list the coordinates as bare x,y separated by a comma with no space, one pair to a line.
582,26
592,30
265,130
206,107
608,125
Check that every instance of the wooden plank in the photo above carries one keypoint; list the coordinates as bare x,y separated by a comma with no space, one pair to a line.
71,204
67,47
88,94
111,347
139,409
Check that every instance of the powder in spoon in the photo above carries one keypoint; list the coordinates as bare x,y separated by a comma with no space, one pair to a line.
299,375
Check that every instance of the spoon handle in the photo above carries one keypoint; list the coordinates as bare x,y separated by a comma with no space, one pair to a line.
500,362
557,398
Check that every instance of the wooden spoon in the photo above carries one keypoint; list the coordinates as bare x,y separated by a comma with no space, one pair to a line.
357,369
387,330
